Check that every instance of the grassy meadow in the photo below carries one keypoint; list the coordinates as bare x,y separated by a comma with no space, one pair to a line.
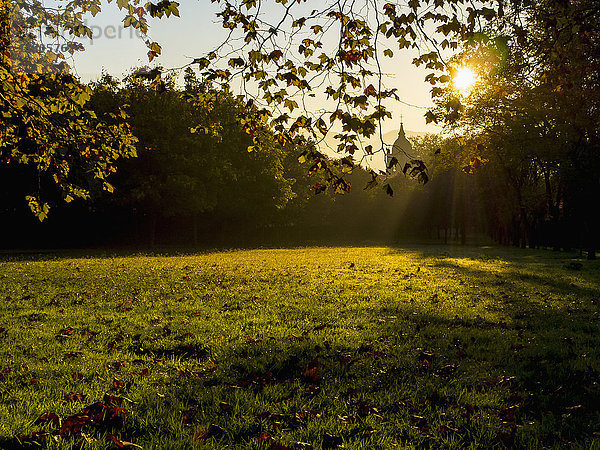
360,348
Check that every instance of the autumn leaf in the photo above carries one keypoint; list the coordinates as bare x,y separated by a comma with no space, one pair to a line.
74,397
311,371
211,431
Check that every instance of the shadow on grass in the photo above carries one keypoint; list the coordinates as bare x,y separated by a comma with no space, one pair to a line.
524,375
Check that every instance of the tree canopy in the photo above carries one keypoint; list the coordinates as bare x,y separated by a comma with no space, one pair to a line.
307,69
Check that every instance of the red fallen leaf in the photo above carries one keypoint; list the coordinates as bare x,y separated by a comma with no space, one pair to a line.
118,364
49,417
74,397
77,376
114,440
117,385
72,355
115,412
33,381
320,327
211,431
144,372
74,424
264,437
310,372
105,416
119,443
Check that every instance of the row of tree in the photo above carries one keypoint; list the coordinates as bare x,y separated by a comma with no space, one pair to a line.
188,186
534,115
526,136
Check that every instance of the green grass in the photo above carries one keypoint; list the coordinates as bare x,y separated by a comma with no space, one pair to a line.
440,347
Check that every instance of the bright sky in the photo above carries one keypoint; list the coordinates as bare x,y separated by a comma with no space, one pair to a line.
198,30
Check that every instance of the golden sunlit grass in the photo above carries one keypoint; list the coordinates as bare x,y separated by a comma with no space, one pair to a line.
437,347
464,79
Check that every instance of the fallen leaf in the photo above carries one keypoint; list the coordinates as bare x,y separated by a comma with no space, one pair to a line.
74,397
49,417
211,431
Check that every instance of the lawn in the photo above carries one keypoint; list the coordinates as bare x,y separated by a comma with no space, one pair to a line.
440,347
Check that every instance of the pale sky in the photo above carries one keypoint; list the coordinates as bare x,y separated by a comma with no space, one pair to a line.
198,30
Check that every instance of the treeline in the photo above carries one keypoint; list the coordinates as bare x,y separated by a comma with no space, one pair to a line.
197,186
195,183
197,180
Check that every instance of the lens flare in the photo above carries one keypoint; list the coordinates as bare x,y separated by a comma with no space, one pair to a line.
464,79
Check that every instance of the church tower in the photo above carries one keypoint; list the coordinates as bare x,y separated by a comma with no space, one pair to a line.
402,146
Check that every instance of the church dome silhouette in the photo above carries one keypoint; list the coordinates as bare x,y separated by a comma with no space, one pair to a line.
401,146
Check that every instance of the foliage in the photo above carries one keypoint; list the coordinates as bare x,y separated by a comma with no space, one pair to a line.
46,121
333,51
183,174
534,114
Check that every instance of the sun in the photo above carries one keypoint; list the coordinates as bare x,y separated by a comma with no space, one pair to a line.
464,78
